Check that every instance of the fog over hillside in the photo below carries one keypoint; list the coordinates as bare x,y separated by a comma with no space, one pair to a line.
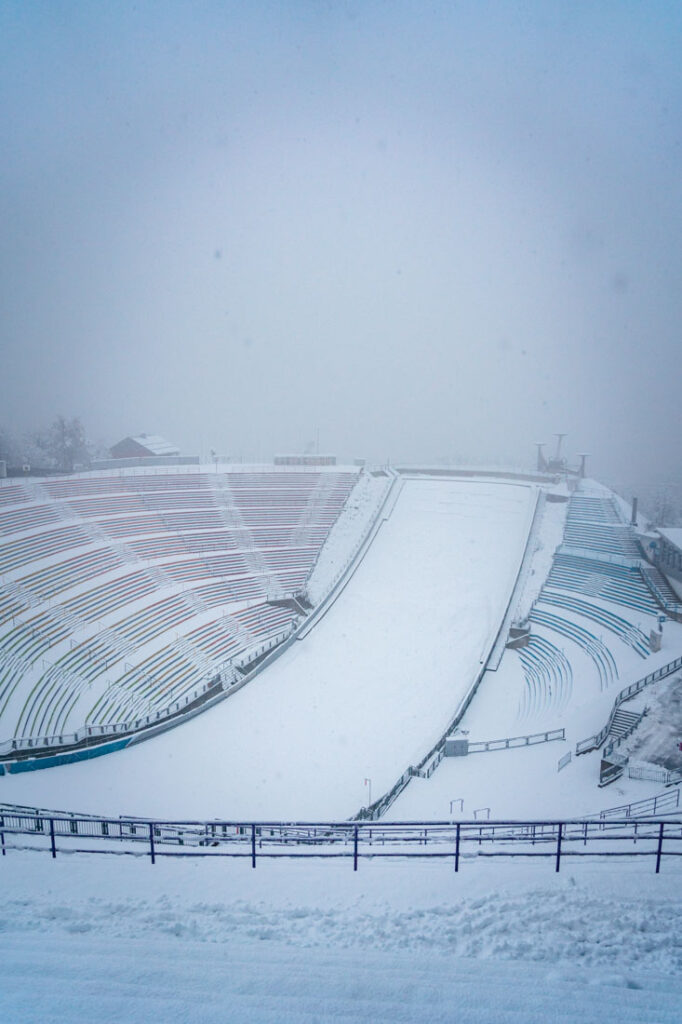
411,232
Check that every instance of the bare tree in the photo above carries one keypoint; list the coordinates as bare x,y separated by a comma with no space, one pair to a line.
9,447
65,443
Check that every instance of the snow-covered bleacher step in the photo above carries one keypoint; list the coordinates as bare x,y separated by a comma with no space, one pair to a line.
40,546
17,520
595,522
549,677
584,638
620,627
616,583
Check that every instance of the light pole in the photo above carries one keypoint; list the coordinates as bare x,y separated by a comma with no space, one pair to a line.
368,782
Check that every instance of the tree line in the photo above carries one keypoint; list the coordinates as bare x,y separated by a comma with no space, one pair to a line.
62,446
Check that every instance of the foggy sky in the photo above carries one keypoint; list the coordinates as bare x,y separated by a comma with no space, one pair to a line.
425,230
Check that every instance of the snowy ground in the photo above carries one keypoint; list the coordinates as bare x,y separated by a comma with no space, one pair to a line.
112,939
365,694
658,738
521,784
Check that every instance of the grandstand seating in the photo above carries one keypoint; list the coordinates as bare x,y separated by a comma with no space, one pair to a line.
135,557
125,482
13,494
599,560
595,523
170,673
60,576
10,605
112,595
607,580
624,630
586,640
39,546
16,520
548,675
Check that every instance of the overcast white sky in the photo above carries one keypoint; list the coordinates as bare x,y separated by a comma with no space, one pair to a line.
426,230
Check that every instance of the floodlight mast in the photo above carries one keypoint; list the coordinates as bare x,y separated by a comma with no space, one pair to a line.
556,464
541,461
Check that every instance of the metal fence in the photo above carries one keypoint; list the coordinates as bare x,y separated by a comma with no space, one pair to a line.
585,746
26,829
650,773
512,742
650,807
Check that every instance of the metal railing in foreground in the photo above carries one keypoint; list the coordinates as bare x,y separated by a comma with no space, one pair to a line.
26,829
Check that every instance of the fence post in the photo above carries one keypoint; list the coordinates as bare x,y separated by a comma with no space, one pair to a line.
151,843
659,851
253,846
355,848
457,848
558,846
52,842
2,836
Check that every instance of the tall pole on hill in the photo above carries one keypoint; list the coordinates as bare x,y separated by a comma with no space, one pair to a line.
368,782
541,464
559,439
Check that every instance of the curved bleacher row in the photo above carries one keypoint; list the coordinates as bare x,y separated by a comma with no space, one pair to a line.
593,646
616,624
548,675
615,583
149,582
599,561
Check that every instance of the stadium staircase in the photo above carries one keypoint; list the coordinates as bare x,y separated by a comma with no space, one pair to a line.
662,591
623,724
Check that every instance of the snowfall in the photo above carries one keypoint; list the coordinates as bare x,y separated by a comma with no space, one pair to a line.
366,693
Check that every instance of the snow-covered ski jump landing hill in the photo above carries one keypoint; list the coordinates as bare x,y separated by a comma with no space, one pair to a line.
367,691
252,643
348,616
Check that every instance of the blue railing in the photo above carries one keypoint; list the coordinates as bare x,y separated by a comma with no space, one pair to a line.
593,742
24,828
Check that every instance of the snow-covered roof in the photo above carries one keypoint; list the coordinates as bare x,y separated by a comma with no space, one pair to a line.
673,534
156,444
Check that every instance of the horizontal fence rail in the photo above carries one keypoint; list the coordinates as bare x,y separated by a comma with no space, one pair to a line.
27,829
511,742
649,807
